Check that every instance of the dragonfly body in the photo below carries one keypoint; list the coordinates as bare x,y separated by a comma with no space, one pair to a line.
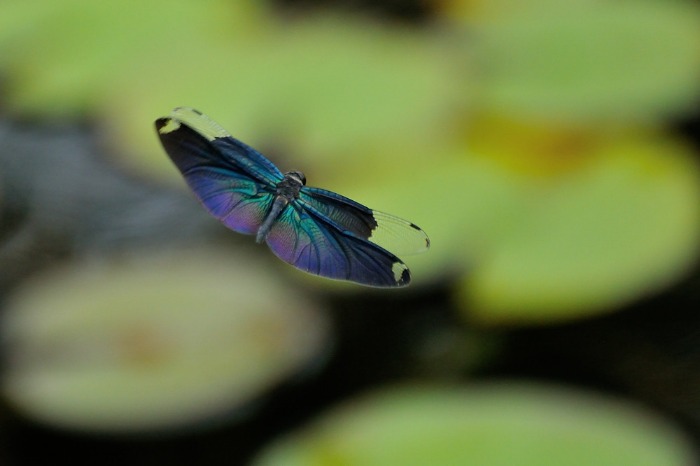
315,230
286,192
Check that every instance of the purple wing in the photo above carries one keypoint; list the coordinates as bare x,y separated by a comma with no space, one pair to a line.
236,201
306,239
233,181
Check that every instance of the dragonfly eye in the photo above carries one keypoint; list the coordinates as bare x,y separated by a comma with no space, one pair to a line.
299,176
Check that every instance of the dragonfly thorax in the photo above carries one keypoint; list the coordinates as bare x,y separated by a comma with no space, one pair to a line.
287,190
291,184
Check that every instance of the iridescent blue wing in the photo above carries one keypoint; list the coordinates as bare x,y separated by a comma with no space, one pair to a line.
387,231
207,143
233,181
307,239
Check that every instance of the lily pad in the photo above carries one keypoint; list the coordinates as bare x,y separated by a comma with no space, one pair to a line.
308,93
489,424
67,56
158,342
588,61
623,224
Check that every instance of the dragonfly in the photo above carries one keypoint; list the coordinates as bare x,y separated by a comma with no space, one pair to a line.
315,230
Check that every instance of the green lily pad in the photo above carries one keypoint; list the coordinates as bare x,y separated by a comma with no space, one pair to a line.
157,342
490,424
317,89
588,61
623,225
67,56
460,202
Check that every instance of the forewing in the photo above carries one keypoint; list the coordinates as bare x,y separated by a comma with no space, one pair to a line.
192,139
389,232
304,240
233,181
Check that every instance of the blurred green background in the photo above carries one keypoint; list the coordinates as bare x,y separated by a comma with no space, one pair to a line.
551,151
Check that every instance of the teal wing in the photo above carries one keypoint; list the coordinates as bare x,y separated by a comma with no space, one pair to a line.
388,231
310,241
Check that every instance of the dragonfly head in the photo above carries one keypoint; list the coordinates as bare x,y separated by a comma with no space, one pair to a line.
297,176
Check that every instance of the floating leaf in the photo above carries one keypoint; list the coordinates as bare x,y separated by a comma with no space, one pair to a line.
68,55
488,425
153,343
588,61
316,91
622,225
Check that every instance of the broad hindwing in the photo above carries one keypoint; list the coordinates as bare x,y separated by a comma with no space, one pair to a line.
302,238
235,183
237,202
389,232
192,139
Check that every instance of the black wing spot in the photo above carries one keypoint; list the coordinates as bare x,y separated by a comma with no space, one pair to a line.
405,278
427,240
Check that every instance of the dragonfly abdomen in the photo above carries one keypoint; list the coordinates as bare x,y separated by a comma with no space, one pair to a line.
277,207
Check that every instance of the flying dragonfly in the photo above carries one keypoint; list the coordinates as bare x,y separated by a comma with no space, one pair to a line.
315,230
